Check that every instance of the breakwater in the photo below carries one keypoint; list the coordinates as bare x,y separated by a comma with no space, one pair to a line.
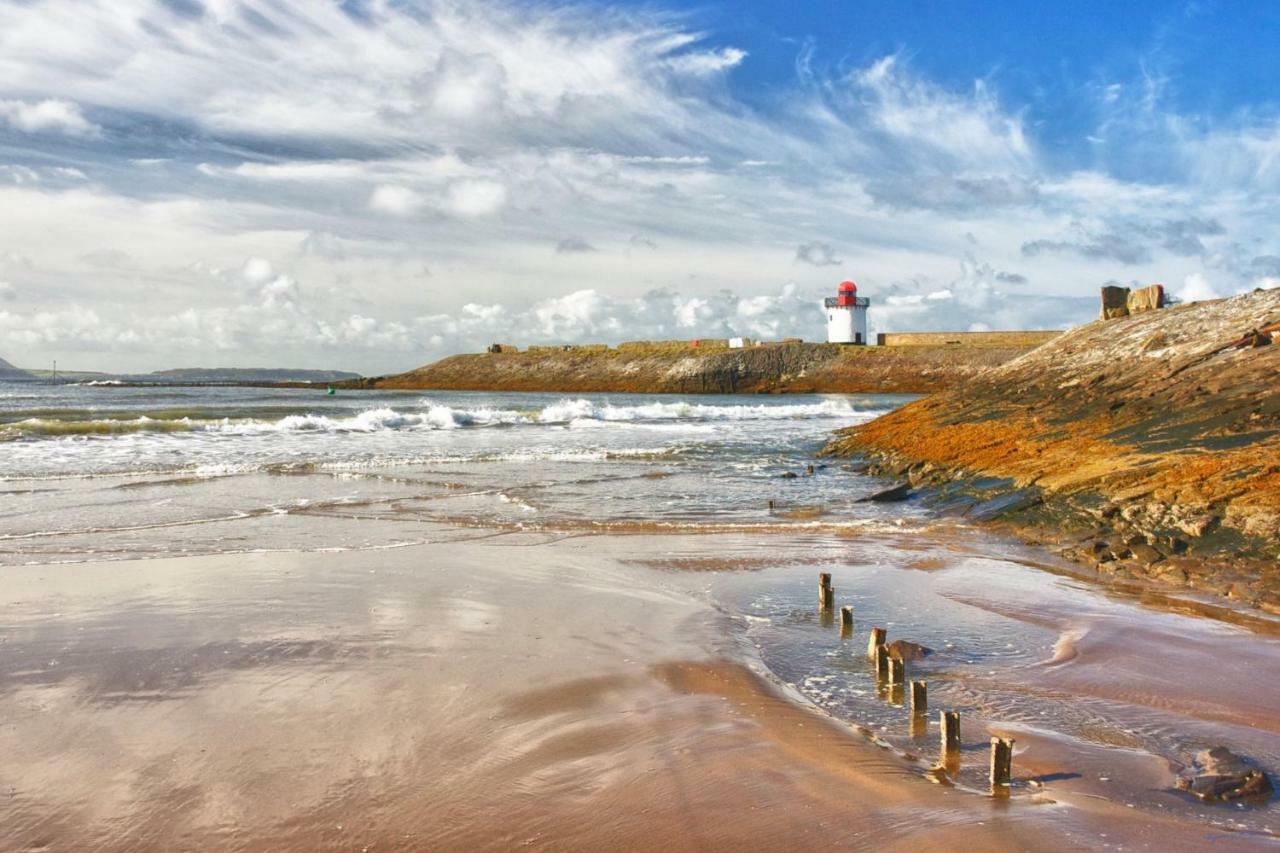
709,368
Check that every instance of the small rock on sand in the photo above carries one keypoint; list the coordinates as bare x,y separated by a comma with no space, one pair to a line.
905,650
1221,775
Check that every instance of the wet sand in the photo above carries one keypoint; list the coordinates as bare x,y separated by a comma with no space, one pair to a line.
559,693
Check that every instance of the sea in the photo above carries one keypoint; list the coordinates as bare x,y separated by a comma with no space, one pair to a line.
102,472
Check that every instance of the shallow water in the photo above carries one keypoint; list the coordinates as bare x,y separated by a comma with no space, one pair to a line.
460,513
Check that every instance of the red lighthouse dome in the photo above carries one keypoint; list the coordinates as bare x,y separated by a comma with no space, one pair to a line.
846,293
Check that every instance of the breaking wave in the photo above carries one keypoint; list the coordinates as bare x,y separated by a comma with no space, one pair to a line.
570,413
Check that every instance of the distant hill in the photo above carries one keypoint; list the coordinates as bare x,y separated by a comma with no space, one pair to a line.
9,373
249,374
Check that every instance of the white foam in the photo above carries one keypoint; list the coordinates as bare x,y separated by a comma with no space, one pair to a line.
574,411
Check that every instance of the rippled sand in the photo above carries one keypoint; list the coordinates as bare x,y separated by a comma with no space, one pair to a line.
576,693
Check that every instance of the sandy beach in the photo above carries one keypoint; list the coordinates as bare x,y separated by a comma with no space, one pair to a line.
577,693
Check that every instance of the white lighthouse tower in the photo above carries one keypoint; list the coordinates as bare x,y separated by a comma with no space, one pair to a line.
846,315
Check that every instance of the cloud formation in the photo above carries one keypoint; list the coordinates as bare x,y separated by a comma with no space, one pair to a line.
50,115
406,177
817,253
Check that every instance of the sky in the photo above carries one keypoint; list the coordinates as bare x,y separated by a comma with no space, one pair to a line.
370,185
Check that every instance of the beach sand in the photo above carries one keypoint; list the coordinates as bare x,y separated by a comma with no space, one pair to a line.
507,692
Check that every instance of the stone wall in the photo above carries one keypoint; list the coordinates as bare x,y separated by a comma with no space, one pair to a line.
964,339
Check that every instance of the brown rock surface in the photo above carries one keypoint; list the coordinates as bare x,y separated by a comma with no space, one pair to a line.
1220,775
682,369
1176,449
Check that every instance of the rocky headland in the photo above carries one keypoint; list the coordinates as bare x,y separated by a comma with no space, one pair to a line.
1144,447
9,373
678,368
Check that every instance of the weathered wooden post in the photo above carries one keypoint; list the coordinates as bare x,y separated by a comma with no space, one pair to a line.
809,470
950,734
826,592
919,698
846,620
897,670
771,505
1001,762
876,641
882,663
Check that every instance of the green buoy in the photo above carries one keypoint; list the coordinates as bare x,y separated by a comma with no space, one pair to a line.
332,390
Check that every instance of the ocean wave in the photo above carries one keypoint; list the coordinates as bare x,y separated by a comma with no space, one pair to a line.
570,411
579,413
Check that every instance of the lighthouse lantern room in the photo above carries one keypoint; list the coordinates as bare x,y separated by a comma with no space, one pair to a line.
846,315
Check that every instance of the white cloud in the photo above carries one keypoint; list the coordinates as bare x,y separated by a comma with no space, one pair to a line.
395,200
8,292
1196,288
476,198
708,62
50,115
257,271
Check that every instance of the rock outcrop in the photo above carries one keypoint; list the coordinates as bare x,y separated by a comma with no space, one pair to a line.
775,368
1120,302
1146,446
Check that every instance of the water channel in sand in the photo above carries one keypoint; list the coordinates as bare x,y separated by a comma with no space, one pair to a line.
567,623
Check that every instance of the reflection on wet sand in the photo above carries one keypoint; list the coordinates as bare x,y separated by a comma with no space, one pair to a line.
525,690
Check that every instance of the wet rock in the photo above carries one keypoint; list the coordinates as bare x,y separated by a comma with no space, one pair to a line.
788,475
1219,775
900,492
1145,553
1008,503
906,651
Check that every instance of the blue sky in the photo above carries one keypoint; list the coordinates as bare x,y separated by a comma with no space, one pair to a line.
374,184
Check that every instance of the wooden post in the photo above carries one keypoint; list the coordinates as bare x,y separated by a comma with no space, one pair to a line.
919,698
846,619
809,470
876,641
826,592
950,733
897,670
882,663
771,505
1001,761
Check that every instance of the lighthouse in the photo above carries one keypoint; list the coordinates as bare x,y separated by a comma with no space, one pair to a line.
846,315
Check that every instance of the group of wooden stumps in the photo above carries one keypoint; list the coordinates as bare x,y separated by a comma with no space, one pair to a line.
891,673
